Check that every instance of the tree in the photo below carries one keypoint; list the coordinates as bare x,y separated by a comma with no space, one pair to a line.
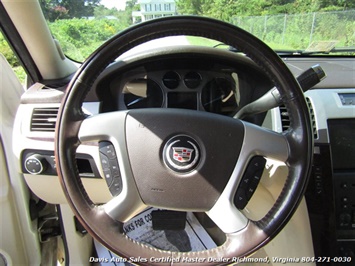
53,11
190,7
60,9
226,9
126,15
80,8
102,11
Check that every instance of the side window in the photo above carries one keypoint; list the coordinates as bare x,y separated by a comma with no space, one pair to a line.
6,51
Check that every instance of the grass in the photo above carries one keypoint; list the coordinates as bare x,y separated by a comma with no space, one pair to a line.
200,41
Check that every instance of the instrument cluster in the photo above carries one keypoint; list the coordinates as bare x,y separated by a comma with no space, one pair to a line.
203,90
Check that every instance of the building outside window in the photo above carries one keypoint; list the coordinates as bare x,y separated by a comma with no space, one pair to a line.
167,7
150,9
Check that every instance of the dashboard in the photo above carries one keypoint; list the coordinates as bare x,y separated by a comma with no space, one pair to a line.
207,80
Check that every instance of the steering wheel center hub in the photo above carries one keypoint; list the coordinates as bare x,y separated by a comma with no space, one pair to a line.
181,154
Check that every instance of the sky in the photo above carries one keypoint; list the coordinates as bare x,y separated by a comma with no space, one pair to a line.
119,4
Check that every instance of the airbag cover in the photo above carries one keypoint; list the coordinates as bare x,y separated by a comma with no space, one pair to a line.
215,141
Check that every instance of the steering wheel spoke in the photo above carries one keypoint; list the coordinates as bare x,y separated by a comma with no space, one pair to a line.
226,216
126,205
257,142
107,126
264,142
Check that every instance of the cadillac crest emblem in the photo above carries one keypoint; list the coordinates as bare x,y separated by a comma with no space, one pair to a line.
181,154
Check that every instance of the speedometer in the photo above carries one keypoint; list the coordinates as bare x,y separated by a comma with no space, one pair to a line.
142,93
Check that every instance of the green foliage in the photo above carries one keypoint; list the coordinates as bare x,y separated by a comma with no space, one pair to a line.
126,15
101,12
298,31
200,41
80,37
191,7
6,51
283,24
21,74
226,9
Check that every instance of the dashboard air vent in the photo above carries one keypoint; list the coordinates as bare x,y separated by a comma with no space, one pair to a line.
285,118
44,119
313,118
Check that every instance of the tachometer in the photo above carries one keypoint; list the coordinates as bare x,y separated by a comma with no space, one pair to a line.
220,96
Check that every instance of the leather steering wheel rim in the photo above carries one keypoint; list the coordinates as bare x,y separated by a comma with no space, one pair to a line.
298,138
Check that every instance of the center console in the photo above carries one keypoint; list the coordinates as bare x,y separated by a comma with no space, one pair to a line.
342,144
330,194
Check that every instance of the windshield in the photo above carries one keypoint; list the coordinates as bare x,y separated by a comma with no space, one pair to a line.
287,26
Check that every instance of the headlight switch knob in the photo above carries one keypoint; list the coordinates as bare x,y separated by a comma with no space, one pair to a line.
36,164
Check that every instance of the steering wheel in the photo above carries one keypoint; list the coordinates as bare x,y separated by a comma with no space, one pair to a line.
206,180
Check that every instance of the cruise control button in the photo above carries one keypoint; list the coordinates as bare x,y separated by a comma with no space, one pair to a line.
115,188
107,149
105,163
257,176
249,182
250,191
115,168
110,167
257,162
245,183
108,177
240,199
